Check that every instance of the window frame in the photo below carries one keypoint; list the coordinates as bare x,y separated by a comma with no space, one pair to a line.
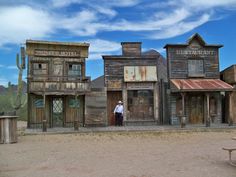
195,71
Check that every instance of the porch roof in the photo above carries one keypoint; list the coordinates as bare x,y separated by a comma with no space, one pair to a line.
191,85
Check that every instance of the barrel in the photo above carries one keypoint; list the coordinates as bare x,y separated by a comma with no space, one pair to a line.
8,129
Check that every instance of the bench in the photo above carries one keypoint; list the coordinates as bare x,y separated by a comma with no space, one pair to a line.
230,150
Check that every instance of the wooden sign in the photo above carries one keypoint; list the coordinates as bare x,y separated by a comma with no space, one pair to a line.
59,53
140,73
114,84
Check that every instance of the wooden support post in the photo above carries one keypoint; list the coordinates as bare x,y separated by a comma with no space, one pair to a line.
125,103
76,121
44,116
208,121
230,121
183,117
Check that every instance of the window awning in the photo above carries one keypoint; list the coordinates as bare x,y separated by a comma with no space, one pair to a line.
190,85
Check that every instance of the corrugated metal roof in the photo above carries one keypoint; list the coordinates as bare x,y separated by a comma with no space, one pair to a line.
201,85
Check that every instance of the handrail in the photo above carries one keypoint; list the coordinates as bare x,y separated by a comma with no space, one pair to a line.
58,78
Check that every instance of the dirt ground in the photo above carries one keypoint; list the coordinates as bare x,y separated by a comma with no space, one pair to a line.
147,154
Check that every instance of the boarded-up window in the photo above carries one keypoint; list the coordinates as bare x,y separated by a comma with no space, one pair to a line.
39,68
195,68
74,70
140,104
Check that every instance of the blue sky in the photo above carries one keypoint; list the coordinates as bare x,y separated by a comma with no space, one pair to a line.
106,23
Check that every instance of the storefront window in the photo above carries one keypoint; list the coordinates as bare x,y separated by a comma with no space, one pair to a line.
140,104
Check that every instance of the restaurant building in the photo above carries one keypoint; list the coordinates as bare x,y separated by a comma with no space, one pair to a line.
138,79
195,87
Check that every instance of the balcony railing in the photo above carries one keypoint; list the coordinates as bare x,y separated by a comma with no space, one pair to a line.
59,84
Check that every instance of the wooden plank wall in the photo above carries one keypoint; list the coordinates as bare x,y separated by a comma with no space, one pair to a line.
178,64
96,108
114,69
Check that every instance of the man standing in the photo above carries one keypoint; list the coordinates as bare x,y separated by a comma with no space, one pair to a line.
118,111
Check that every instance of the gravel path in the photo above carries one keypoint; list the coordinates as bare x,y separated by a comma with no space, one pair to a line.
117,154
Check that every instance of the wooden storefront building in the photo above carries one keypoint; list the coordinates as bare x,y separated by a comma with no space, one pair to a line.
57,84
229,75
137,79
195,87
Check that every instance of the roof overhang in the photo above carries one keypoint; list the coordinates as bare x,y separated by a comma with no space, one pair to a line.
199,85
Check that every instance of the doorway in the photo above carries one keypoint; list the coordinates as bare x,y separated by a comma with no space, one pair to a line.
112,99
196,110
57,112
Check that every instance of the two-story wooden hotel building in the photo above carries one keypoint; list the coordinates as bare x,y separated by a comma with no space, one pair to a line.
56,83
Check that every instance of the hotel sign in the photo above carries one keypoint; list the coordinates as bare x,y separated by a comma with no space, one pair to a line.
59,53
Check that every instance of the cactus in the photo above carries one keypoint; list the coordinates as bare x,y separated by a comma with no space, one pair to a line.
19,102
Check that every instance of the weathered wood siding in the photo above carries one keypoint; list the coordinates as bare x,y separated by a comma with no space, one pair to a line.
57,70
96,108
229,75
195,108
114,70
178,63
8,129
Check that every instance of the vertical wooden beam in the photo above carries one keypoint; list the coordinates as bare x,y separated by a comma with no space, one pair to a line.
44,116
125,102
156,102
183,117
76,121
230,121
208,121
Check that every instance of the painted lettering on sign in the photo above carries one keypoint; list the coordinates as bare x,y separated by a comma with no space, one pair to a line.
195,52
59,53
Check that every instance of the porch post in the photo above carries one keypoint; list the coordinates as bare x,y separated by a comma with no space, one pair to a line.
125,103
183,117
44,116
230,121
76,121
208,111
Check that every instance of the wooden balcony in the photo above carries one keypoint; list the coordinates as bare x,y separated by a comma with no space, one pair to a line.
58,85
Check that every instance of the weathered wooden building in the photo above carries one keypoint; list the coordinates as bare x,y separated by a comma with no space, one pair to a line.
137,79
229,75
57,84
96,104
194,82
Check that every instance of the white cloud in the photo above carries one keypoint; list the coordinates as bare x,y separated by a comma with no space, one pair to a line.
23,22
37,21
99,47
2,66
12,67
180,28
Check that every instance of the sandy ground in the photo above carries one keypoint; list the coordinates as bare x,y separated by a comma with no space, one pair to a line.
119,155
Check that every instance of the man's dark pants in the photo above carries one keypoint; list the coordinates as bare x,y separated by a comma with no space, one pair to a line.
118,119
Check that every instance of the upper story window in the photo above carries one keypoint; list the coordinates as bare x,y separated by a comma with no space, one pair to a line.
39,68
74,70
195,68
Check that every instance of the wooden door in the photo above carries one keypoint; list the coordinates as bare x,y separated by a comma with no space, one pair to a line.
57,112
112,99
196,110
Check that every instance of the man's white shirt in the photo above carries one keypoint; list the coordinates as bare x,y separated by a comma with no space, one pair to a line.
119,109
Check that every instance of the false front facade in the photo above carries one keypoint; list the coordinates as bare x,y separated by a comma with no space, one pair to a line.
194,82
56,83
